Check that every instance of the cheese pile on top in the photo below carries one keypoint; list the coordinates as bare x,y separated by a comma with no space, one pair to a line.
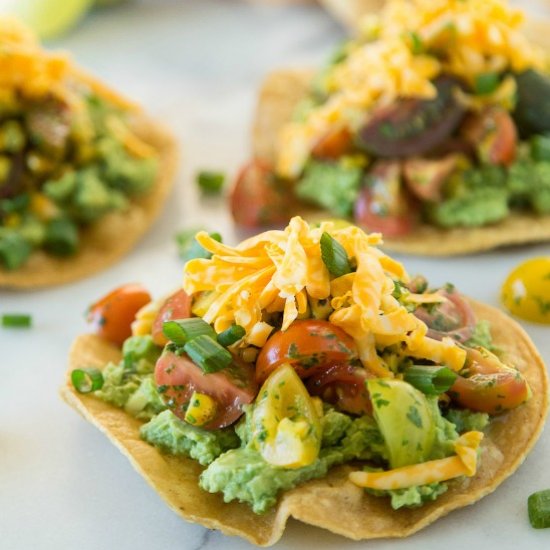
277,271
29,72
406,47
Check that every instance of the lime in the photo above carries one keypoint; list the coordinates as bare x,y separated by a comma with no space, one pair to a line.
50,18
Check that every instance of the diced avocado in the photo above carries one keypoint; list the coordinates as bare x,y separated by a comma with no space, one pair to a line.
478,207
12,137
61,189
332,185
138,348
128,174
61,237
92,198
33,231
14,248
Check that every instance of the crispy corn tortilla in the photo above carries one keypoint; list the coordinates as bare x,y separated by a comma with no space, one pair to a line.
104,242
333,502
283,89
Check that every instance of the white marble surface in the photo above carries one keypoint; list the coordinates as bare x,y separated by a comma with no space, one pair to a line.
195,65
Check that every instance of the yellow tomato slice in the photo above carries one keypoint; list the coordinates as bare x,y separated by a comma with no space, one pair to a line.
286,427
526,291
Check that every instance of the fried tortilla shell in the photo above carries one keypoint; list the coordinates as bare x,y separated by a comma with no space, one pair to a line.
106,241
333,502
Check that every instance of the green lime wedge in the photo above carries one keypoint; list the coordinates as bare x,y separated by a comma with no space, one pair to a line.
51,18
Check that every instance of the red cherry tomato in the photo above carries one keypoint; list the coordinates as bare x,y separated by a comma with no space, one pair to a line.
491,387
383,205
255,198
177,306
493,134
344,387
177,377
112,316
333,144
453,318
425,177
310,346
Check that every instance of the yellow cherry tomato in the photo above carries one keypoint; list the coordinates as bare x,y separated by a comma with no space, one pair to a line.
526,291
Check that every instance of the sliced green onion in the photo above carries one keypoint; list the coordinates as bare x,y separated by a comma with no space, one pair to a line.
61,237
231,335
538,506
190,249
16,320
486,83
334,255
87,380
430,380
210,182
417,46
208,354
181,331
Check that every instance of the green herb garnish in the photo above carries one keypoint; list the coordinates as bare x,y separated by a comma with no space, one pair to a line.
181,331
231,335
430,380
16,320
210,182
208,354
538,506
87,380
334,256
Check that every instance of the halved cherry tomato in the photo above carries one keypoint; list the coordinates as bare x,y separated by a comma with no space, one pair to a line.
112,316
493,134
177,306
383,205
453,318
344,386
409,126
255,199
425,177
333,144
177,377
491,387
310,346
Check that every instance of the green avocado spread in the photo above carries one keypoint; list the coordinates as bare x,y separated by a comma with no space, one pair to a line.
233,465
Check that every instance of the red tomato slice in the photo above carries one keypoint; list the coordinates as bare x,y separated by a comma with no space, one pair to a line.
493,134
453,318
177,377
344,387
491,387
309,346
255,200
177,306
425,177
383,204
111,316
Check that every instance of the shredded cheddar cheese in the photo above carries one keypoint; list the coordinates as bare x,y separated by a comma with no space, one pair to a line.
463,463
403,50
34,73
278,271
